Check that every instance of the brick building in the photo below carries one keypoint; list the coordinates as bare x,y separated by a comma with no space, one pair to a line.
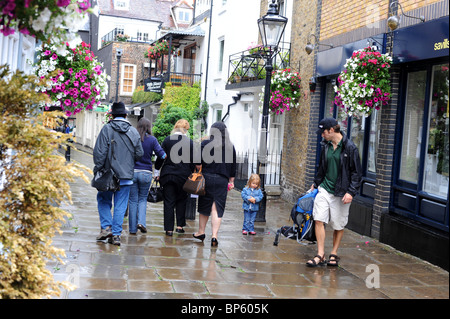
404,199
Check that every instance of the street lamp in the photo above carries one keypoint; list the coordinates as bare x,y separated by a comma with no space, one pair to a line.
271,28
119,53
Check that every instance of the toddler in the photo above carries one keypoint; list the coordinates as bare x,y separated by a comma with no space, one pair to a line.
252,195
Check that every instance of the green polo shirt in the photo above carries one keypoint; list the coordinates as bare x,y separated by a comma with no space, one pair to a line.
333,160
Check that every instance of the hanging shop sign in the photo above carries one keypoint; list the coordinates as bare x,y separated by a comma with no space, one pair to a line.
153,85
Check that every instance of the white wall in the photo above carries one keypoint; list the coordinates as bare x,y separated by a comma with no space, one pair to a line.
17,50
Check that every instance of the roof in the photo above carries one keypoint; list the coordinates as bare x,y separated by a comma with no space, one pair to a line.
150,10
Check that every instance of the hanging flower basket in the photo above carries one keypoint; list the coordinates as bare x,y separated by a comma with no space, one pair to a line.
285,91
159,49
74,79
364,85
59,19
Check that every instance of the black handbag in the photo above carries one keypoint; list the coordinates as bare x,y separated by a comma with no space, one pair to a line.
105,179
155,193
195,184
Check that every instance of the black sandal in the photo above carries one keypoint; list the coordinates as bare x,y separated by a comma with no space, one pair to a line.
333,262
313,263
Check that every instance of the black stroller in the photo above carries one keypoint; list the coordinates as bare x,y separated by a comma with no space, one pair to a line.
301,214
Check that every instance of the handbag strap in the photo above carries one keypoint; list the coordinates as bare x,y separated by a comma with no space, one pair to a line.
196,174
111,149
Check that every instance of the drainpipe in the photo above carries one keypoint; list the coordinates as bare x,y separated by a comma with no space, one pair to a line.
236,99
209,46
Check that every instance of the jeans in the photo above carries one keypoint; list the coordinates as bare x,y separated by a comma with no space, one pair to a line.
249,220
104,205
138,200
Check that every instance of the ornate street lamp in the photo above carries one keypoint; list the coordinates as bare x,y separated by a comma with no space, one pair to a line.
271,28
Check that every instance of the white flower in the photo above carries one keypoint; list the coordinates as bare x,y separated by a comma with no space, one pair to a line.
40,23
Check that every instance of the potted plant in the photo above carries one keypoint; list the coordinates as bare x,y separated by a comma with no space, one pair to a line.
285,91
364,85
74,79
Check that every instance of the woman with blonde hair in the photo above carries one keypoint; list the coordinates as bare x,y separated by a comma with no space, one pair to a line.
175,169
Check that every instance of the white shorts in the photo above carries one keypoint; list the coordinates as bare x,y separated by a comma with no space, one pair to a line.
330,210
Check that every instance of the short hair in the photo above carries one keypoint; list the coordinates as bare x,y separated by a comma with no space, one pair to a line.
337,128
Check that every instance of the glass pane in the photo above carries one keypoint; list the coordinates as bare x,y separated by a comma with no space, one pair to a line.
357,133
329,100
412,129
374,137
436,159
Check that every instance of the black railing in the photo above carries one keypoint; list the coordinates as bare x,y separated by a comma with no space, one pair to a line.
177,79
117,35
249,65
248,164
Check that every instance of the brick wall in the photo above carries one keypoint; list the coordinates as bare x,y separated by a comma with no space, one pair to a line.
133,53
299,143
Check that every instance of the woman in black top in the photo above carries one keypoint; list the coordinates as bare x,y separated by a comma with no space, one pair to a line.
176,168
219,169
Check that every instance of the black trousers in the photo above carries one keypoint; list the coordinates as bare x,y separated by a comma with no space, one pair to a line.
175,200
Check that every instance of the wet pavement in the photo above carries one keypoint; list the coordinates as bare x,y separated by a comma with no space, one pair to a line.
153,265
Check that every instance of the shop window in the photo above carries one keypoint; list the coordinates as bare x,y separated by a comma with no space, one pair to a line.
422,184
436,170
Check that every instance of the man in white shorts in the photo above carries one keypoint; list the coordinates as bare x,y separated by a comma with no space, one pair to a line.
338,180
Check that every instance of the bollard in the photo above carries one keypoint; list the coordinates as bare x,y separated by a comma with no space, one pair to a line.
67,154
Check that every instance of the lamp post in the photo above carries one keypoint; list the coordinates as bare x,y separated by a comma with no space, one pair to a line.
119,53
271,28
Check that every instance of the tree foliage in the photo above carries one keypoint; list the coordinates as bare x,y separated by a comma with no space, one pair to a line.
34,181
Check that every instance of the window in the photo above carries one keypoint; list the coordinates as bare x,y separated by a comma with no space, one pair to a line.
141,36
184,16
128,79
221,51
422,181
122,4
436,170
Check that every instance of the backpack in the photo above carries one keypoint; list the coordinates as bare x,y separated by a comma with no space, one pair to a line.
302,215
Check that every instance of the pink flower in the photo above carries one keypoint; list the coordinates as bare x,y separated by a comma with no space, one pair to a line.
67,102
63,3
54,56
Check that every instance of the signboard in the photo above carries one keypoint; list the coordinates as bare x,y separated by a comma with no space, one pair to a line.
422,41
153,85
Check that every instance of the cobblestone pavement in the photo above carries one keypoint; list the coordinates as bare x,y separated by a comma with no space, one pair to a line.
153,265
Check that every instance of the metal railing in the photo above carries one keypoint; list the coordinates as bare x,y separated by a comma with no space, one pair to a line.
249,65
116,35
177,79
247,164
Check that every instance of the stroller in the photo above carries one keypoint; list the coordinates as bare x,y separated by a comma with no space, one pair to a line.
301,214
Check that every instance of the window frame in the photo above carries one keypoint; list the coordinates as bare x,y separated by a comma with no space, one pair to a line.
122,78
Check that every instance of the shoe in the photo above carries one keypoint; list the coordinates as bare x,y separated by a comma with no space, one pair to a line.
115,240
201,237
244,232
180,230
104,233
252,233
169,233
313,263
333,262
214,242
142,228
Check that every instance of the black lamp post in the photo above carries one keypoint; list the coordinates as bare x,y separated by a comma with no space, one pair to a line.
119,53
271,28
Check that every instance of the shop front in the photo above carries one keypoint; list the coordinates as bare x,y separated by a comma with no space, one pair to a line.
408,175
418,217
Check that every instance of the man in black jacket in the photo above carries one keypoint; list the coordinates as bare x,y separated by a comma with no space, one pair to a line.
338,180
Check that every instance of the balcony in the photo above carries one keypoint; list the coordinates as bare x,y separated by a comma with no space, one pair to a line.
247,68
119,35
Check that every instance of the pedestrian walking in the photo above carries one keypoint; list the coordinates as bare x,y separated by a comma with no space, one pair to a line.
175,169
219,169
126,145
142,179
251,195
338,180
